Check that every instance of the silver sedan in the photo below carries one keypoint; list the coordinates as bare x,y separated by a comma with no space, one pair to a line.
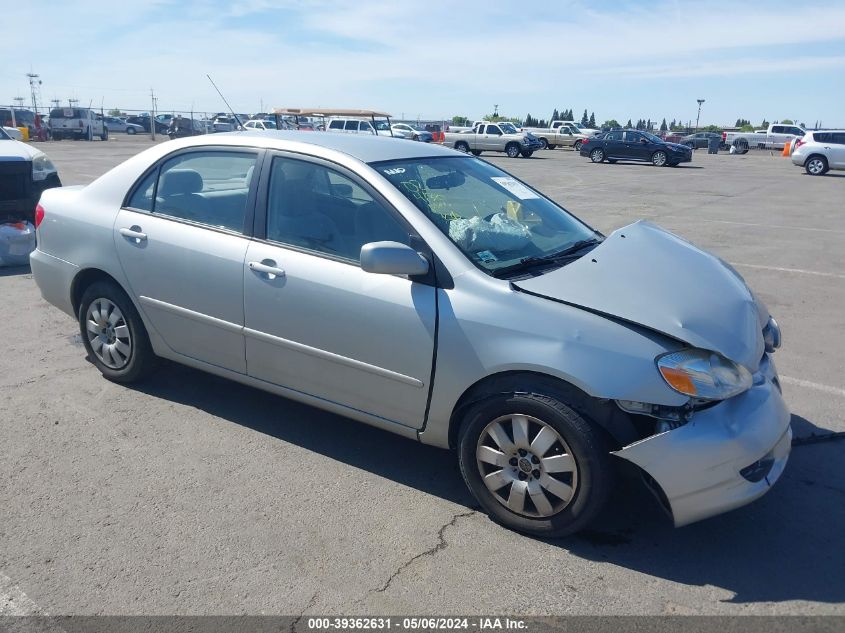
430,294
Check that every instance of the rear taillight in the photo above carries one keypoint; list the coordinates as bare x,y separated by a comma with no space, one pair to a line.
799,143
39,215
585,141
724,136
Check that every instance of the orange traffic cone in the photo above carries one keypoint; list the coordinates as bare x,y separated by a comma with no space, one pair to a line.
786,147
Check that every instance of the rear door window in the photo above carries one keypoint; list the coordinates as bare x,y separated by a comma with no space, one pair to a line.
336,125
838,138
207,187
777,129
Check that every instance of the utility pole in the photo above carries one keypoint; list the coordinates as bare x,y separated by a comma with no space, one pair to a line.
495,109
698,117
55,102
153,115
34,82
72,102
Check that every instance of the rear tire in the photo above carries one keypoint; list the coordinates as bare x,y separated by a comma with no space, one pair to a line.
476,152
512,150
113,333
577,146
597,155
527,154
130,130
552,146
462,146
741,146
534,464
816,165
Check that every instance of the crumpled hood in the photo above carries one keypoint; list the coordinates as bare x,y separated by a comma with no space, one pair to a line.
679,147
648,276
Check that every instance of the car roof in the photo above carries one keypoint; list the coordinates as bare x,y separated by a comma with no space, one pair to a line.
364,147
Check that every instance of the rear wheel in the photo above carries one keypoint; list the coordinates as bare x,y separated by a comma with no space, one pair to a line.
534,464
741,146
552,146
462,146
578,146
476,152
130,130
816,165
113,333
512,150
527,154
597,155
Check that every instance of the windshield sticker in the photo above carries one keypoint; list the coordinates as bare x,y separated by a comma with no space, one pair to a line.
486,257
515,187
394,171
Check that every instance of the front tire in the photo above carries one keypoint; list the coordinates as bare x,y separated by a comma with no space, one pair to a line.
113,333
476,152
544,144
527,154
659,158
512,150
130,130
597,155
816,166
534,464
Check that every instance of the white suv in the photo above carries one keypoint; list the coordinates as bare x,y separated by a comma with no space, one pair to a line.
820,150
359,126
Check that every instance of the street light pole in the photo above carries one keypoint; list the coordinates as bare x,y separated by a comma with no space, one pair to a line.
698,117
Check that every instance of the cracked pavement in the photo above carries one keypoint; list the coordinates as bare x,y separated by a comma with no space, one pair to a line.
193,495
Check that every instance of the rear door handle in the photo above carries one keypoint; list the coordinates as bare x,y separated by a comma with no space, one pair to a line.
268,267
134,233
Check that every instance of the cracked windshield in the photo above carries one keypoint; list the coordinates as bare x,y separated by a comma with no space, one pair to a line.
499,223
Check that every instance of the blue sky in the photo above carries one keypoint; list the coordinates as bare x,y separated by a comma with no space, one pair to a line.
438,58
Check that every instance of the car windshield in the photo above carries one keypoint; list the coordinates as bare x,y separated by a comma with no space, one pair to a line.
494,219
508,128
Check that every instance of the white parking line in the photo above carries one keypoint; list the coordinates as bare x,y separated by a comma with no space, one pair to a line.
800,271
13,601
835,391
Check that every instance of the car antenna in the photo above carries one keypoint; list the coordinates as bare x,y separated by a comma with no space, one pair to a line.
236,117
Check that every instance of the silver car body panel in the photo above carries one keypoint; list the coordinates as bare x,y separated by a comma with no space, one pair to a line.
646,275
377,363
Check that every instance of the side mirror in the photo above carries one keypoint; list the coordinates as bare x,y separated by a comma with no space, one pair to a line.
392,258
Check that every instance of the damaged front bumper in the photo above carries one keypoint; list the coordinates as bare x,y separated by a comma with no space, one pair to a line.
725,457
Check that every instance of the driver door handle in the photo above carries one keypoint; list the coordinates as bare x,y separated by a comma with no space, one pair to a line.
266,268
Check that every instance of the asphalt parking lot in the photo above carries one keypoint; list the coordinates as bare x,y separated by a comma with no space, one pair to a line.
192,495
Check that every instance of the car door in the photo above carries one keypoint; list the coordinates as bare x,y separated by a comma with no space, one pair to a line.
835,150
492,138
634,147
181,242
316,322
613,146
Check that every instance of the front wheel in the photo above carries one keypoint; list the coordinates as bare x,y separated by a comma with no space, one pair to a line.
476,152
658,159
113,333
816,166
130,130
544,144
534,464
597,155
512,150
527,154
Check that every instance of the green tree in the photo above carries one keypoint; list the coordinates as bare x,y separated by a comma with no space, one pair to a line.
585,120
592,122
460,121
115,112
611,123
786,122
746,128
629,124
663,126
764,124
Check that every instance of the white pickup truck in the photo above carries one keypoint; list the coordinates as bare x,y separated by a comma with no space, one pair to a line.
778,135
493,137
77,123
563,133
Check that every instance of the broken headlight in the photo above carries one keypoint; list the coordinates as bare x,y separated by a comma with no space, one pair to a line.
771,335
703,375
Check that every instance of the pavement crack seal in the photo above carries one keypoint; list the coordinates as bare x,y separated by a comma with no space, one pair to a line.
310,605
439,547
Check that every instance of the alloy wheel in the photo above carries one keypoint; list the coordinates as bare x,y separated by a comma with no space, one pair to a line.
659,159
815,166
108,333
527,465
597,156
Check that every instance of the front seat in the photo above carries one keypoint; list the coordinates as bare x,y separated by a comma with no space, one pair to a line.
293,218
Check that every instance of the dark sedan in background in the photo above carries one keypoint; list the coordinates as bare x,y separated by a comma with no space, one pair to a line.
634,145
700,140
